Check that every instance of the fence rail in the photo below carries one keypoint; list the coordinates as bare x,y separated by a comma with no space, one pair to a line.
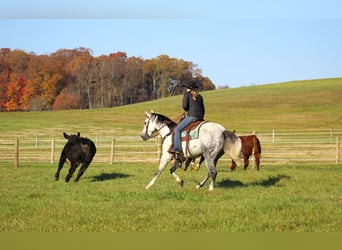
278,147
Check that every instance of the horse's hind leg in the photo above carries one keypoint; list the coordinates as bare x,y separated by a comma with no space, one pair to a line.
201,184
212,173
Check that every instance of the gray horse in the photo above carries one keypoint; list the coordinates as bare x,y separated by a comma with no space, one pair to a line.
213,141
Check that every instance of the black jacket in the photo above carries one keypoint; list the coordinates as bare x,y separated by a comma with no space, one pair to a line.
194,108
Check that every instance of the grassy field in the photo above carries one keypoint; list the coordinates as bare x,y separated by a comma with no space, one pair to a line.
112,198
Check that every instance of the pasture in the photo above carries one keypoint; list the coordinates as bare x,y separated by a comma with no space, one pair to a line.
112,198
284,197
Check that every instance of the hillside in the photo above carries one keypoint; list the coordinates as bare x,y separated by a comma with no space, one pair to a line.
292,105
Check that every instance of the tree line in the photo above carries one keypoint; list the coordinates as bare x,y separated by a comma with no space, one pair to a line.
75,79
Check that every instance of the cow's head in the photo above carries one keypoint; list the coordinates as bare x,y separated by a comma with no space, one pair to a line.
71,137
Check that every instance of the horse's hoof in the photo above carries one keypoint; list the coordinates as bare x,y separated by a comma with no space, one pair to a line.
198,186
148,187
181,183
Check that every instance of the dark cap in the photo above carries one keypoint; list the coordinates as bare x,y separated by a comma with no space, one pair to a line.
191,85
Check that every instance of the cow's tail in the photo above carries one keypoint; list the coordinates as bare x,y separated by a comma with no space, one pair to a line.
257,151
232,145
256,146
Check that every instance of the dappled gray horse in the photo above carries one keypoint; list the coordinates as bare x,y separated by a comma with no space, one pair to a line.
213,141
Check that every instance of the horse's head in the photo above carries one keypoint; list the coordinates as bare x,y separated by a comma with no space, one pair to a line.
150,126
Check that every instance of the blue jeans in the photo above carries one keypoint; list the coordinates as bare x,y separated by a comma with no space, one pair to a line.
177,143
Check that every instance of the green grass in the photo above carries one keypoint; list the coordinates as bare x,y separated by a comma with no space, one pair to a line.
112,198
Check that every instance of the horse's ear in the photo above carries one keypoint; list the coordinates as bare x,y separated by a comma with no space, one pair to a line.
66,136
148,115
234,131
78,134
152,112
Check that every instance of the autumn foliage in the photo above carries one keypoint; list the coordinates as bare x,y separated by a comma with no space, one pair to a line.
70,79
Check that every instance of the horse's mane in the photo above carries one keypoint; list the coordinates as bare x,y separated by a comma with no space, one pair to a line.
165,119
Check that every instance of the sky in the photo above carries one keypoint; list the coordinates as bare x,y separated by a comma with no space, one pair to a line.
235,43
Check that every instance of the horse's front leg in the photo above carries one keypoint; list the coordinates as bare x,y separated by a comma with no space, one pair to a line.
165,159
173,172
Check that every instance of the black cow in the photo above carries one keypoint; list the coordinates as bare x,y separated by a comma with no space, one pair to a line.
77,150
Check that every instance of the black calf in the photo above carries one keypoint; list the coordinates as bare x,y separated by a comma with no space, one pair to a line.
77,150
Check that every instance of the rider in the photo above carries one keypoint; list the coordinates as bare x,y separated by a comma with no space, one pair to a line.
193,105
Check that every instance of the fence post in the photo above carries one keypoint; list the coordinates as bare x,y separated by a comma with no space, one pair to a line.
273,136
112,151
337,150
52,150
16,152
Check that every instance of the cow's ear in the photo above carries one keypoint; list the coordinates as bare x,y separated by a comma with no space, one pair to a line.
66,136
78,134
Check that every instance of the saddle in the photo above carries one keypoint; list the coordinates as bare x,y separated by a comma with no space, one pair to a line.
190,132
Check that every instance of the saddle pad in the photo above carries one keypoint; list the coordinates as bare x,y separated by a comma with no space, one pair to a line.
193,133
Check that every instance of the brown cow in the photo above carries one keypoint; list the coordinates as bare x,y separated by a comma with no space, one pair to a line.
250,145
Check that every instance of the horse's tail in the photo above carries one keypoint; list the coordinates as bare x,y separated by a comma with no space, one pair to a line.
232,145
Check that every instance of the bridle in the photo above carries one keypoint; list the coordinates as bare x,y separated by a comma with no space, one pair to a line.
146,129
157,131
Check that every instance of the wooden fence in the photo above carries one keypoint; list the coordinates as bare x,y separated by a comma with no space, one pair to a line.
278,147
